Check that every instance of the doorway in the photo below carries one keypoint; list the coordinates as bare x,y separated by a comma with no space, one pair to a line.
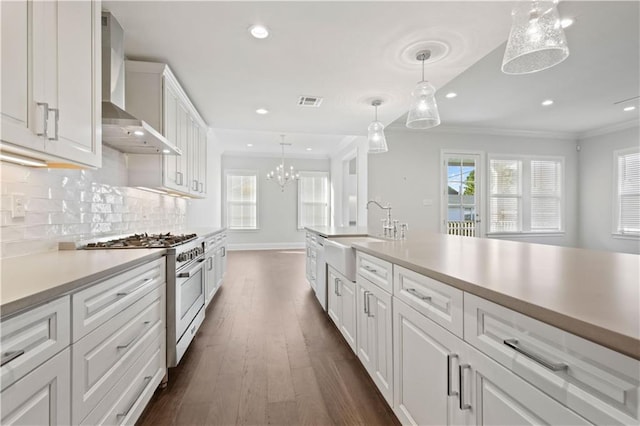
461,194
350,191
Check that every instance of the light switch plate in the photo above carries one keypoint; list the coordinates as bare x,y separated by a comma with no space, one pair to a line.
17,206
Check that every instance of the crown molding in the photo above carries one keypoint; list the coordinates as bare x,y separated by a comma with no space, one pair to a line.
276,155
470,130
609,129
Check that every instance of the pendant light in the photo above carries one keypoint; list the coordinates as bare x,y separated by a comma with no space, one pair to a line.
376,138
536,41
423,113
281,175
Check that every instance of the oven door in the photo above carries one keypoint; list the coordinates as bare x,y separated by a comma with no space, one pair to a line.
189,295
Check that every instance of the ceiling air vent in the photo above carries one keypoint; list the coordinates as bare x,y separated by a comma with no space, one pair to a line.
309,101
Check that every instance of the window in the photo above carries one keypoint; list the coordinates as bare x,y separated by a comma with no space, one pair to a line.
313,199
627,203
241,200
525,195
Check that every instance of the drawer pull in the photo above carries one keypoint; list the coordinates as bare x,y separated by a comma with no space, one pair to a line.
128,292
126,413
369,304
553,366
449,358
10,356
370,269
146,324
366,302
417,294
461,368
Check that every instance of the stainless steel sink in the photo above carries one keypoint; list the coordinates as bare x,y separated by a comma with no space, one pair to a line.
339,254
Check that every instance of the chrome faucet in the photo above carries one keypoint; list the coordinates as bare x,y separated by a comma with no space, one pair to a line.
390,228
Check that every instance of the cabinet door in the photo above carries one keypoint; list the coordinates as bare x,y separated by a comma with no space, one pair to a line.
76,94
210,277
333,300
194,153
202,160
425,369
497,396
380,321
171,177
42,397
365,338
182,141
16,104
347,291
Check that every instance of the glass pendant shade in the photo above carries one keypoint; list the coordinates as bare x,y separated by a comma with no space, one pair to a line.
377,140
423,112
536,41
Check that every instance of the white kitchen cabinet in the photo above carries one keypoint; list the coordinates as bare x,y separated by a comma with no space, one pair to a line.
342,305
42,397
153,94
52,86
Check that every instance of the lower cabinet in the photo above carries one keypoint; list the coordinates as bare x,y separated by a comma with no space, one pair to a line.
42,397
374,335
442,380
341,305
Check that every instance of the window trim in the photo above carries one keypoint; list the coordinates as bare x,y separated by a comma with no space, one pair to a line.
241,172
313,173
615,225
525,195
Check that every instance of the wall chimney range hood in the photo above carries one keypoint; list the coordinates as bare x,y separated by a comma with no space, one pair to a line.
121,130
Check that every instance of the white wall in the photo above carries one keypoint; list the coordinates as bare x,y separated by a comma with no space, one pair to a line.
597,193
206,213
277,211
359,149
410,173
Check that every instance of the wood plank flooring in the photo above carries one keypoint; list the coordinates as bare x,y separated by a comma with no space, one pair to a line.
268,354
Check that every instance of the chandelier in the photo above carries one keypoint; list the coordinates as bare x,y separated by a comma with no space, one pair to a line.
281,175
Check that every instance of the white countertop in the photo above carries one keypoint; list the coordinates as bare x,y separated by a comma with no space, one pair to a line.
593,294
37,278
338,231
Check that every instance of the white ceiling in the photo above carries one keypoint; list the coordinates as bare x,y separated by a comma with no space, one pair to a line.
603,68
346,52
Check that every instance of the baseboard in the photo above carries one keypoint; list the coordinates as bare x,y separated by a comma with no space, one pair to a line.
266,246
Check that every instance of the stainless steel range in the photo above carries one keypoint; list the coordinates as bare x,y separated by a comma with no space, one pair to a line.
185,283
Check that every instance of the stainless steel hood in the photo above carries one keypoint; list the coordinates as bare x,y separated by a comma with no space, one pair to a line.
121,130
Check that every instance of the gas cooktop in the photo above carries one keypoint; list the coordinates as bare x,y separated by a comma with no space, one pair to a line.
143,241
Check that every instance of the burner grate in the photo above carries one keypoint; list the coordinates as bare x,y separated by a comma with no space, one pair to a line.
143,241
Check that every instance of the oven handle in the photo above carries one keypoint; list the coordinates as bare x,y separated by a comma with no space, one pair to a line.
190,272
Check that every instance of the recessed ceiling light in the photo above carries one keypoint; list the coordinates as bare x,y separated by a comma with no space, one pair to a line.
547,102
249,145
450,95
309,149
262,111
259,31
138,133
629,108
166,151
566,22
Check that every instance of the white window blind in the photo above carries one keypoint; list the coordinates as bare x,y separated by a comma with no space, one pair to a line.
241,200
525,195
628,192
313,199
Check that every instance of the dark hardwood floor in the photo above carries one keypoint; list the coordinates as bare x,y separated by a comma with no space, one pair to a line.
268,354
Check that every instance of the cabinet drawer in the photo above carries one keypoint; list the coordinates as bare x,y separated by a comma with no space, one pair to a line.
104,355
32,337
599,384
126,400
376,270
433,299
41,397
95,305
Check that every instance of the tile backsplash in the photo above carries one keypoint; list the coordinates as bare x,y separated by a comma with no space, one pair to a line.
72,205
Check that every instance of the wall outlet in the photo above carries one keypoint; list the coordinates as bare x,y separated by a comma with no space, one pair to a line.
17,206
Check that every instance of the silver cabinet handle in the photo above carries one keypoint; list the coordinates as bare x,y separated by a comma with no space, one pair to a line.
449,358
10,356
45,114
201,187
210,263
335,286
146,381
461,369
417,294
553,366
188,274
57,115
338,287
135,339
365,301
224,251
128,292
369,304
369,268
179,181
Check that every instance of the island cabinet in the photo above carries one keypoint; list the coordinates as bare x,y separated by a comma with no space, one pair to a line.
51,99
341,305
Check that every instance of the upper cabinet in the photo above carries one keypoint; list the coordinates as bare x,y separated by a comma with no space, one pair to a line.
51,99
153,94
